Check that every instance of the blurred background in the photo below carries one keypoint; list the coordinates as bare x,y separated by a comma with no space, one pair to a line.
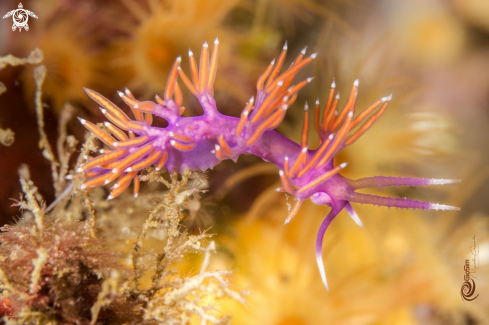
403,267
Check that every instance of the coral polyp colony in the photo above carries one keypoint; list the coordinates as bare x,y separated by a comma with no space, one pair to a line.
201,142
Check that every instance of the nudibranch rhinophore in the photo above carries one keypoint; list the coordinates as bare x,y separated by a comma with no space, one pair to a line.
201,142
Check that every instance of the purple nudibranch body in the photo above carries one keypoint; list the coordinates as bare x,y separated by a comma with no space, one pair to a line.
201,142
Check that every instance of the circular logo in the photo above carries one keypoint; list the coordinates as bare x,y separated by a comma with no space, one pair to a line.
468,290
20,18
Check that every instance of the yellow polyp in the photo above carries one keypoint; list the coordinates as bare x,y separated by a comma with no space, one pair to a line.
292,320
159,55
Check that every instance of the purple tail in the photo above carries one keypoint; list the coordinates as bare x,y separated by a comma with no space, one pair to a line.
392,202
335,209
384,181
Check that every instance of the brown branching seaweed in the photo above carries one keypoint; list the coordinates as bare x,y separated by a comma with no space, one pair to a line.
171,299
57,267
53,271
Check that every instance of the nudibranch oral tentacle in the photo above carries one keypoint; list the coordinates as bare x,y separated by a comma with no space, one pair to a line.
201,142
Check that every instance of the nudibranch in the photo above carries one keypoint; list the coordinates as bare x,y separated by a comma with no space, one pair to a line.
201,142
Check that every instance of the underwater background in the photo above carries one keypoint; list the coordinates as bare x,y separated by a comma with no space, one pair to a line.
151,260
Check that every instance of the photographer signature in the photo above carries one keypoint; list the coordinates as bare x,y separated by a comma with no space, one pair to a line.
468,287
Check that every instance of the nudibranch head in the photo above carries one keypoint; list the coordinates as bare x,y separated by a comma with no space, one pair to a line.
201,142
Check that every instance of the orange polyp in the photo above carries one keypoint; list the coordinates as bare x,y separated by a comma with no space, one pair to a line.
244,116
331,114
242,122
111,117
219,154
278,102
178,95
90,174
131,102
107,104
115,131
349,107
136,126
277,120
160,101
320,179
138,115
162,161
277,115
328,110
316,116
181,146
286,166
193,68
119,190
204,68
132,142
213,67
273,119
181,137
225,146
278,66
148,117
102,135
316,156
299,162
131,135
263,77
146,162
286,182
124,179
114,176
129,160
365,113
181,110
172,78
289,73
340,136
305,127
186,81
128,100
110,165
96,181
366,125
128,93
291,100
109,157
137,184
294,211
264,106
298,87
299,57
147,107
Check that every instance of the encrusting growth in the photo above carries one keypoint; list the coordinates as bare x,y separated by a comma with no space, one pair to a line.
201,142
